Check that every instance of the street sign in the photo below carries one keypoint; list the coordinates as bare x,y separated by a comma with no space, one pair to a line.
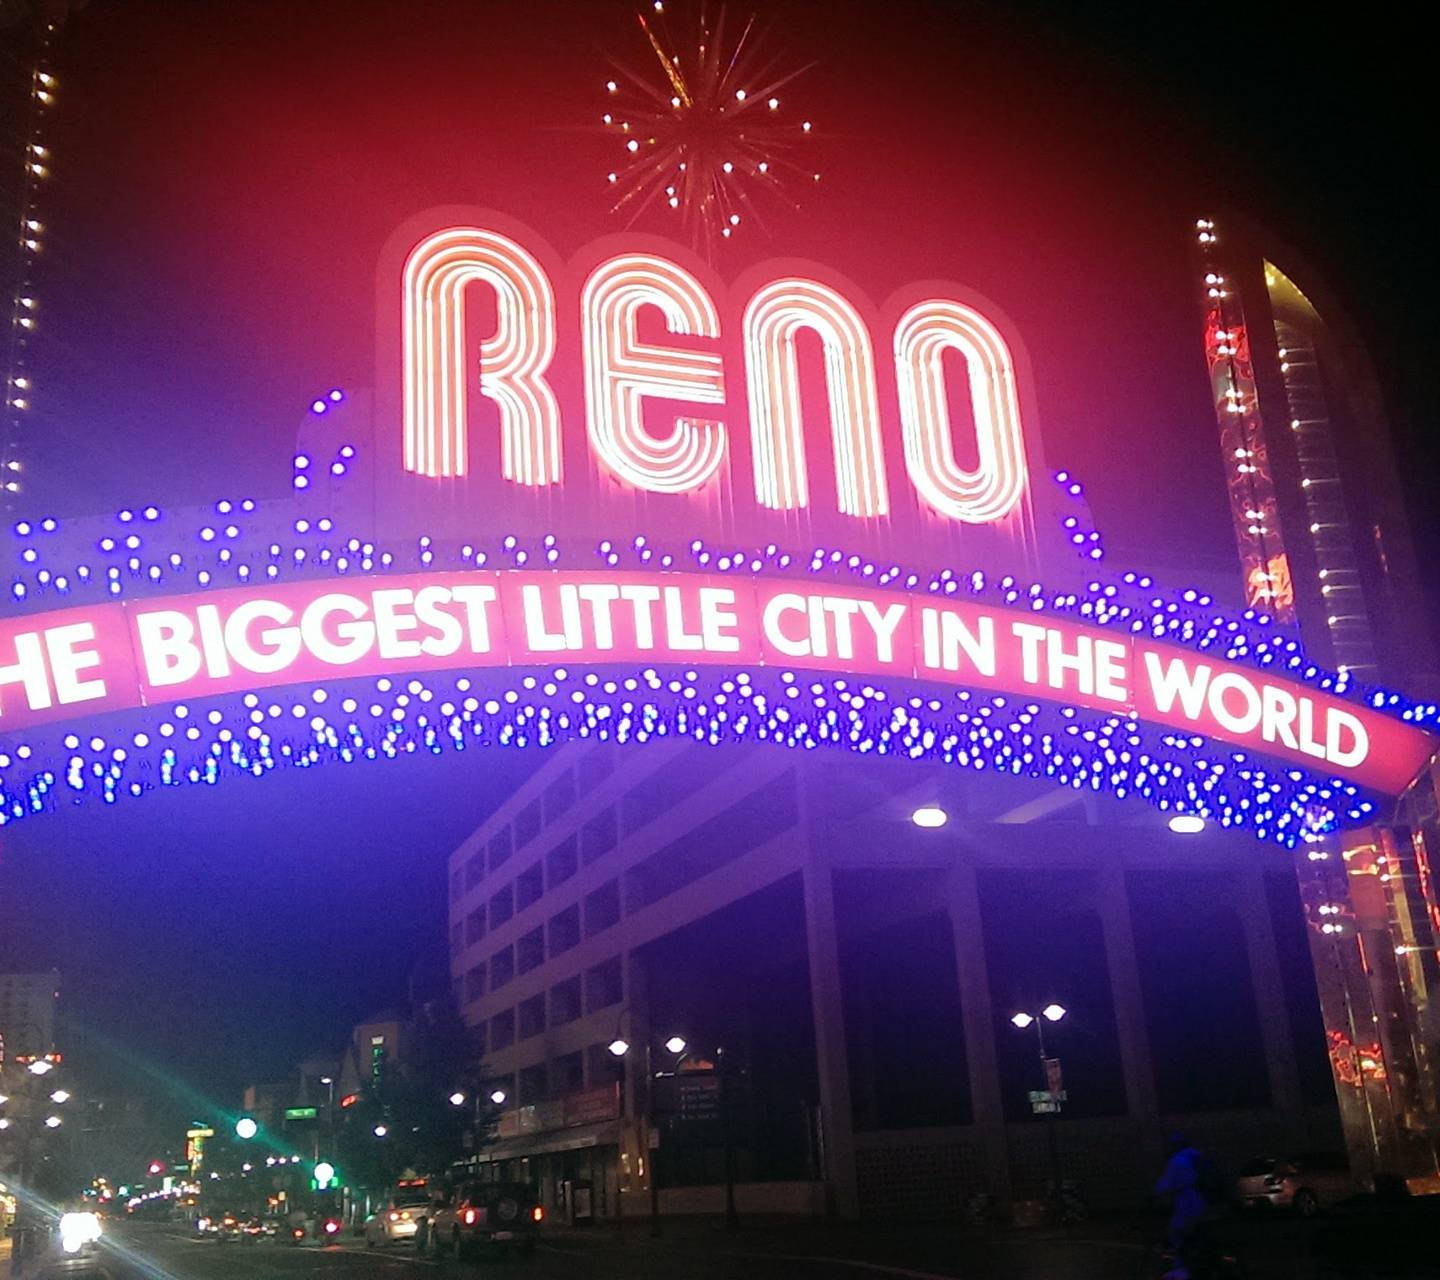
1044,1102
1054,1081
301,1113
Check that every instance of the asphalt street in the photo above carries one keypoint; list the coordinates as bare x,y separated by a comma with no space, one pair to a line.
1358,1246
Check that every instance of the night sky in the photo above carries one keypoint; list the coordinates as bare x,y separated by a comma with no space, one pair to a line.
226,175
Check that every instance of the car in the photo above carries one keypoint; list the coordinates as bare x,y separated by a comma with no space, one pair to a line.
1305,1184
400,1218
480,1214
227,1227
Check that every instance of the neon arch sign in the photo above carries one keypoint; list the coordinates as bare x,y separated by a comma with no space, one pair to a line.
156,648
622,371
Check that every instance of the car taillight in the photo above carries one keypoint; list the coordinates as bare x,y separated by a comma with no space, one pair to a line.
331,1227
537,1213
394,1217
470,1216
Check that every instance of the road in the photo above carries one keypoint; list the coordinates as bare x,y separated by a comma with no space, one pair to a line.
1367,1245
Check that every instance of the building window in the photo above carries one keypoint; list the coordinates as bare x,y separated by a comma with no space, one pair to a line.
475,982
598,836
565,1001
527,824
562,862
602,908
502,1029
502,967
478,1037
602,1068
457,886
475,925
567,1074
532,1016
533,1085
474,869
745,825
457,939
603,985
530,950
565,930
596,765
529,885
559,796
502,906
500,848
667,786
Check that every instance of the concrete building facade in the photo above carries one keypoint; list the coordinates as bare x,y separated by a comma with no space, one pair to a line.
859,973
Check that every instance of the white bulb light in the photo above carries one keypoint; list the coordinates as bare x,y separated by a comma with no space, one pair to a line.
1187,824
1053,1012
930,816
618,1047
1022,1020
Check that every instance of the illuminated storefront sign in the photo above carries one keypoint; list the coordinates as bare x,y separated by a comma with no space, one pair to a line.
201,645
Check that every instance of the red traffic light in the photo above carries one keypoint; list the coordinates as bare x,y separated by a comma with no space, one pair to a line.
156,1168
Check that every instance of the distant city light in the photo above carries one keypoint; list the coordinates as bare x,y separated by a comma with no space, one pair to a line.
929,815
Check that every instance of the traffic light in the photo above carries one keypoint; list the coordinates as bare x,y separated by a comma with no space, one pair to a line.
325,1175
246,1128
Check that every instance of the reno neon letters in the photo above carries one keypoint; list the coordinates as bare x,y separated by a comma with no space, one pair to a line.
621,371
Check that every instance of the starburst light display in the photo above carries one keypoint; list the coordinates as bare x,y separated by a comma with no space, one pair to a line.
710,133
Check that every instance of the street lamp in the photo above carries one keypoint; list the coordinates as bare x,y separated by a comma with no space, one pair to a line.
1022,1021
497,1096
60,1096
246,1128
457,1099
380,1131
675,1045
39,1067
53,1122
930,816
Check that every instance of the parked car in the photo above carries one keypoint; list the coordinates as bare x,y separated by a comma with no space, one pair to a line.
506,1214
1307,1184
399,1219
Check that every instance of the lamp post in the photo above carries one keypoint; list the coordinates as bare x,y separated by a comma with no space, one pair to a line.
1022,1021
619,1048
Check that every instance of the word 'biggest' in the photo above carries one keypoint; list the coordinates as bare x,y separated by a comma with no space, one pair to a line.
622,371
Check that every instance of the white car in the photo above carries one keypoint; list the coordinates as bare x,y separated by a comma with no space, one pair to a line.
1305,1184
398,1220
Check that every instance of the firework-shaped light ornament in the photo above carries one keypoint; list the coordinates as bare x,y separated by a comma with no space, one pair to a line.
708,134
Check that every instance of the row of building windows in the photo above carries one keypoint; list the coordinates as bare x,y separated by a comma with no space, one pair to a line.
593,1067
742,826
650,797
557,799
599,987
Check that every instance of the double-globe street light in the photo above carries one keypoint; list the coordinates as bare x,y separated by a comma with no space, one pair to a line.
676,1047
1023,1021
